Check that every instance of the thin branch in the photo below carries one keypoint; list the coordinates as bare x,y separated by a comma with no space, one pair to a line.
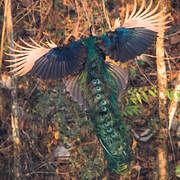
144,75
85,8
23,13
106,16
2,42
166,58
44,15
173,34
75,31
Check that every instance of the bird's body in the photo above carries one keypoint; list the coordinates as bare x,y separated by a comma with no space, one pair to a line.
100,89
91,81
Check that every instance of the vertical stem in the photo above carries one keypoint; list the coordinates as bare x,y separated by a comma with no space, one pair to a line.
1,104
87,11
14,114
106,15
162,86
2,42
123,9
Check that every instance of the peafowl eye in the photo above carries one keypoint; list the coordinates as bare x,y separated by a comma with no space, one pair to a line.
69,63
98,96
103,102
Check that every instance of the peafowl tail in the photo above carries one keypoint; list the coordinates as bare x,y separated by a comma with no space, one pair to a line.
101,83
113,137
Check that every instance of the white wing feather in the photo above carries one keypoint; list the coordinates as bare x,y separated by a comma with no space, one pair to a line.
148,18
25,58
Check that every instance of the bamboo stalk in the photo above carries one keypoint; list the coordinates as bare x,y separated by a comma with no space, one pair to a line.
14,114
162,86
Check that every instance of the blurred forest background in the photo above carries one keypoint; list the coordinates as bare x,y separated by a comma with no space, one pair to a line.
55,139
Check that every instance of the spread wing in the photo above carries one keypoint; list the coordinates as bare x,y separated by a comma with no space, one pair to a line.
137,33
48,63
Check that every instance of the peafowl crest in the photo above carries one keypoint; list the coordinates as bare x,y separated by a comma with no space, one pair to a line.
91,81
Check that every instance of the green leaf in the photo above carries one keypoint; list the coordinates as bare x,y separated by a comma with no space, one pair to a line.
49,27
140,62
133,72
134,100
154,88
138,97
171,95
178,95
58,115
167,93
135,90
145,96
125,113
127,100
134,110
130,112
152,93
178,170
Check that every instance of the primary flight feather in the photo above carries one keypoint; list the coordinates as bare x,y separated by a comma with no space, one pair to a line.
92,82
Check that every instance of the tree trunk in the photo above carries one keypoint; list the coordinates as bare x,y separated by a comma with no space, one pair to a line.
162,86
14,113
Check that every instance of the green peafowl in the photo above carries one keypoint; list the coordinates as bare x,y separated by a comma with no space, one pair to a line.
91,81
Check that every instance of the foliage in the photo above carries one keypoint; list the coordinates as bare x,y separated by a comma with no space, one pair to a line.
178,170
132,110
140,95
170,94
61,114
55,119
136,97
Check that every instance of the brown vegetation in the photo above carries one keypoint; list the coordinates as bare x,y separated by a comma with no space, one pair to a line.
47,136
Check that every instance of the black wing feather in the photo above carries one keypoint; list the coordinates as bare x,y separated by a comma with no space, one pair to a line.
61,62
126,43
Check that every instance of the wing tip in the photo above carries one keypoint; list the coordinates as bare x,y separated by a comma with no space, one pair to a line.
147,17
25,57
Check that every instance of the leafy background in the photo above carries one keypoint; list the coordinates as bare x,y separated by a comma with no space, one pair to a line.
49,119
